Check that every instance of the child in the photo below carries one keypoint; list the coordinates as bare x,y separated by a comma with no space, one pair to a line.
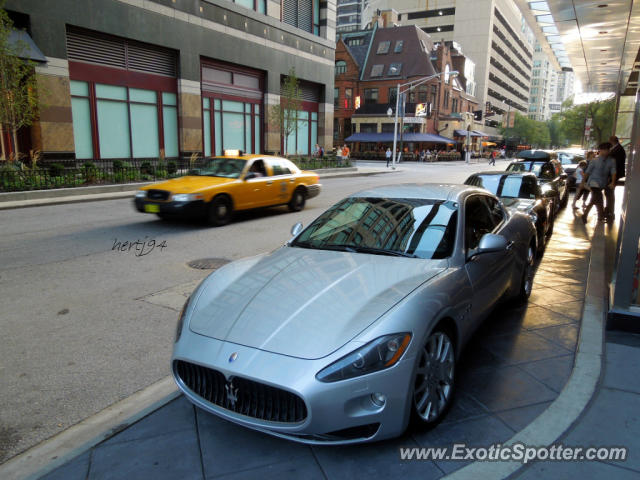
582,190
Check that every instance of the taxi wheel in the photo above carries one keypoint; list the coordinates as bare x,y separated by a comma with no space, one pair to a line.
220,211
298,200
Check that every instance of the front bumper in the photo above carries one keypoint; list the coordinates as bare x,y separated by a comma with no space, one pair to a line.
196,208
336,413
313,190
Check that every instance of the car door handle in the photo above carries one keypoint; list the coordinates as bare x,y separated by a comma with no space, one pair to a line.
510,245
292,180
269,182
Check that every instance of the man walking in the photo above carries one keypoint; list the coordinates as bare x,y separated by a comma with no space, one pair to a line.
388,155
600,173
619,156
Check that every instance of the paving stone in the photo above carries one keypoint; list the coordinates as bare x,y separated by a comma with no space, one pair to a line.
299,467
75,469
505,388
464,407
583,470
481,432
549,296
613,419
229,448
519,418
572,310
379,460
176,416
577,290
564,335
622,367
175,455
541,317
523,347
553,372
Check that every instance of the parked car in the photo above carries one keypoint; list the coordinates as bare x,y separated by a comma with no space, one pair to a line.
357,323
549,172
569,160
229,183
519,192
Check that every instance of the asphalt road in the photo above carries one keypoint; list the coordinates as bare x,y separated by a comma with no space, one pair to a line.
80,329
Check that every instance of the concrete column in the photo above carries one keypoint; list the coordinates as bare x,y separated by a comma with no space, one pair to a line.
271,129
325,125
190,117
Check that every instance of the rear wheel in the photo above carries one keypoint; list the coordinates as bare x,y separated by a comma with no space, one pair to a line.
434,381
220,211
298,200
526,284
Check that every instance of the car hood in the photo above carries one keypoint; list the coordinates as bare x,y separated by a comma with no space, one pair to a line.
189,183
303,303
520,204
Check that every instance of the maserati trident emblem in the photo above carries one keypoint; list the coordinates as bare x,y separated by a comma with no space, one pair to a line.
232,393
233,357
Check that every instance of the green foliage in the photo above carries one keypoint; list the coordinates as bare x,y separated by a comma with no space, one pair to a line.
529,131
573,117
89,172
172,167
285,116
117,165
56,170
146,168
18,89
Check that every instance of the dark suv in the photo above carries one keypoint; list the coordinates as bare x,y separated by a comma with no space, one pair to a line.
548,170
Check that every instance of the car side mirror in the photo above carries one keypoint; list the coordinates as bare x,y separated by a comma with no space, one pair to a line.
296,229
250,175
490,242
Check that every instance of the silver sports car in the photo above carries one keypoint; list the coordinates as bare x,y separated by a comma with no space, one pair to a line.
353,328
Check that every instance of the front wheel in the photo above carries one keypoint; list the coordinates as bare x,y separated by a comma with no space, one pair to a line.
434,380
298,200
220,211
526,284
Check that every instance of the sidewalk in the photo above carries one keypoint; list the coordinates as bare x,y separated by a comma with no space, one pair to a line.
60,196
528,374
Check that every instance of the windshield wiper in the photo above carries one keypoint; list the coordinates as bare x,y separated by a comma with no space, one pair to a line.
383,251
338,248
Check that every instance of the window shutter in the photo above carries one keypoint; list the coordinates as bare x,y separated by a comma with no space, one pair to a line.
290,12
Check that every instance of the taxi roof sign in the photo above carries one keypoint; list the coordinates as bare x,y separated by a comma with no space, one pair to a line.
233,153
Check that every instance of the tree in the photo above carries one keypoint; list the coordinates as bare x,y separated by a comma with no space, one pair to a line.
529,131
286,115
18,92
573,119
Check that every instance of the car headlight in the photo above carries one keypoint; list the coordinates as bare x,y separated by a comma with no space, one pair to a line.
381,353
533,216
183,312
186,197
141,194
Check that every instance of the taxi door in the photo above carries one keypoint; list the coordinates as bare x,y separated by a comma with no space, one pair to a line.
257,191
283,181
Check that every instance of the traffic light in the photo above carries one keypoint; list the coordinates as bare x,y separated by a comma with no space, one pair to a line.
477,115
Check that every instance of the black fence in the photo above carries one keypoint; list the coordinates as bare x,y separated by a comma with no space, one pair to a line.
15,176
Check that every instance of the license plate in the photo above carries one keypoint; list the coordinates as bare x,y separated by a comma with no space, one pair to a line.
152,208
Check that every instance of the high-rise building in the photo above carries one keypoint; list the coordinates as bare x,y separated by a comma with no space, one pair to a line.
493,33
349,15
543,85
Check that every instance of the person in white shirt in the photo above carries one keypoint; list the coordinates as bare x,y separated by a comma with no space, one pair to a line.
582,190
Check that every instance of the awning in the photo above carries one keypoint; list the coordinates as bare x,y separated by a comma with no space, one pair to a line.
24,46
463,133
406,137
480,134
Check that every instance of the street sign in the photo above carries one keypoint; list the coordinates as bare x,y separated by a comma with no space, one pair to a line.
421,110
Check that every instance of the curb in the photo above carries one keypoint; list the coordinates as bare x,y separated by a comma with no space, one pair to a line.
58,450
63,196
567,408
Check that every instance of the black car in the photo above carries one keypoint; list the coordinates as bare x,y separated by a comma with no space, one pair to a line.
569,160
549,172
520,192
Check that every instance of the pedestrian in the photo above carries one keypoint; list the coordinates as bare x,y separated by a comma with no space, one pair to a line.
619,157
339,155
492,158
600,173
582,190
345,153
388,155
316,150
321,152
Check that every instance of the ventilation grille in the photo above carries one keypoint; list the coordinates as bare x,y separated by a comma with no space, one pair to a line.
100,49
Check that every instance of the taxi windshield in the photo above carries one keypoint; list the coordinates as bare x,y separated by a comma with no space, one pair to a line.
222,167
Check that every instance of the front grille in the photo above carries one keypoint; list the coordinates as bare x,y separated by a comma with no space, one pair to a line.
158,194
252,399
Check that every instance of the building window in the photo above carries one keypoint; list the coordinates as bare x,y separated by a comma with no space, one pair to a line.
129,122
336,97
368,128
446,99
376,70
383,47
257,5
370,96
341,67
447,77
394,69
230,124
393,93
398,47
303,14
305,135
354,42
348,97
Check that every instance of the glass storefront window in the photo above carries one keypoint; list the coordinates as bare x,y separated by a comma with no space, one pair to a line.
232,125
113,129
170,124
81,113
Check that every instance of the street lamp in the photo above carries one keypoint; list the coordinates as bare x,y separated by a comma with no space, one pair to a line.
409,86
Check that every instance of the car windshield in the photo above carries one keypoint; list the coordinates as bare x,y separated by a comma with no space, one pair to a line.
534,167
508,186
569,158
222,167
386,226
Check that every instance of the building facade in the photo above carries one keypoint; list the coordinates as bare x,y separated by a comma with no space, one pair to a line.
493,33
543,86
348,15
156,78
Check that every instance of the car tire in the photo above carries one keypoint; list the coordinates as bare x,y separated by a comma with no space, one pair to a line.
220,211
298,200
162,216
526,282
433,385
542,241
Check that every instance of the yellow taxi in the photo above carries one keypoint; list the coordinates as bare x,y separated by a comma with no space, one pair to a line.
229,183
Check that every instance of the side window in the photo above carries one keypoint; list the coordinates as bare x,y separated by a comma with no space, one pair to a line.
496,212
478,220
547,172
280,168
258,168
529,188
